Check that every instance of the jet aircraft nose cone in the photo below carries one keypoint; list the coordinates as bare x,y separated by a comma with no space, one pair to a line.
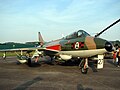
108,46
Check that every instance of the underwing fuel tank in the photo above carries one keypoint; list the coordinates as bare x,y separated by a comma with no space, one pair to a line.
65,57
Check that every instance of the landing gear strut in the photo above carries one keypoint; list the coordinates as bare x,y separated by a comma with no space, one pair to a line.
84,66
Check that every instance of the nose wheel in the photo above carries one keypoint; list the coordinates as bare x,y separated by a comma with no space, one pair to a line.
84,66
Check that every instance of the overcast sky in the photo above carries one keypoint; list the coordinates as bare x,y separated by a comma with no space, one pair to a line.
21,20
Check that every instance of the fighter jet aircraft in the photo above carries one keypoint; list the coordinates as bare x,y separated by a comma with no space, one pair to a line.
79,45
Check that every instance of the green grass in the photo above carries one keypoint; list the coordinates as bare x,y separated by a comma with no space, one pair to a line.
9,53
13,53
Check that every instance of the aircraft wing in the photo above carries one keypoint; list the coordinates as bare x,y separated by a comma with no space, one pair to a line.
45,50
22,49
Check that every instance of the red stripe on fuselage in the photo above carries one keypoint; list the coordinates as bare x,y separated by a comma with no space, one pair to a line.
54,47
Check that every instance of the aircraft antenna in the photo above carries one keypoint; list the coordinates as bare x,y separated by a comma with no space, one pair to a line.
107,28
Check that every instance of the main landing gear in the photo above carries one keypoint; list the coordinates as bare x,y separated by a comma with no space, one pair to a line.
29,63
84,65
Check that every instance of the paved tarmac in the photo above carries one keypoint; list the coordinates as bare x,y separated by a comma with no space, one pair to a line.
56,77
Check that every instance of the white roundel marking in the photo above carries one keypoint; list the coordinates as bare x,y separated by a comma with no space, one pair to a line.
77,45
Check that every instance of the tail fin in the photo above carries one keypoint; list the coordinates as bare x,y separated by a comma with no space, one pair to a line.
40,39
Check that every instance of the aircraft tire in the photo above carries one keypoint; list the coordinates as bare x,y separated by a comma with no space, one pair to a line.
18,63
81,65
84,71
29,62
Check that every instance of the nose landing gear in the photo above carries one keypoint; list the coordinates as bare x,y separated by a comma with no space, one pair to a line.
84,66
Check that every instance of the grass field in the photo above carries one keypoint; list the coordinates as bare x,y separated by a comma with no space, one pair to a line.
14,54
7,54
10,53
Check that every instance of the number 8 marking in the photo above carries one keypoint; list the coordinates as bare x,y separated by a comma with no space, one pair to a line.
77,45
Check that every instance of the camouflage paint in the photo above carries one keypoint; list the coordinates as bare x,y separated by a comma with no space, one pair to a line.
75,44
89,41
69,45
100,43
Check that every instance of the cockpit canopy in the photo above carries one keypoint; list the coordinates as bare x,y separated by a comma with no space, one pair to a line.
79,33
